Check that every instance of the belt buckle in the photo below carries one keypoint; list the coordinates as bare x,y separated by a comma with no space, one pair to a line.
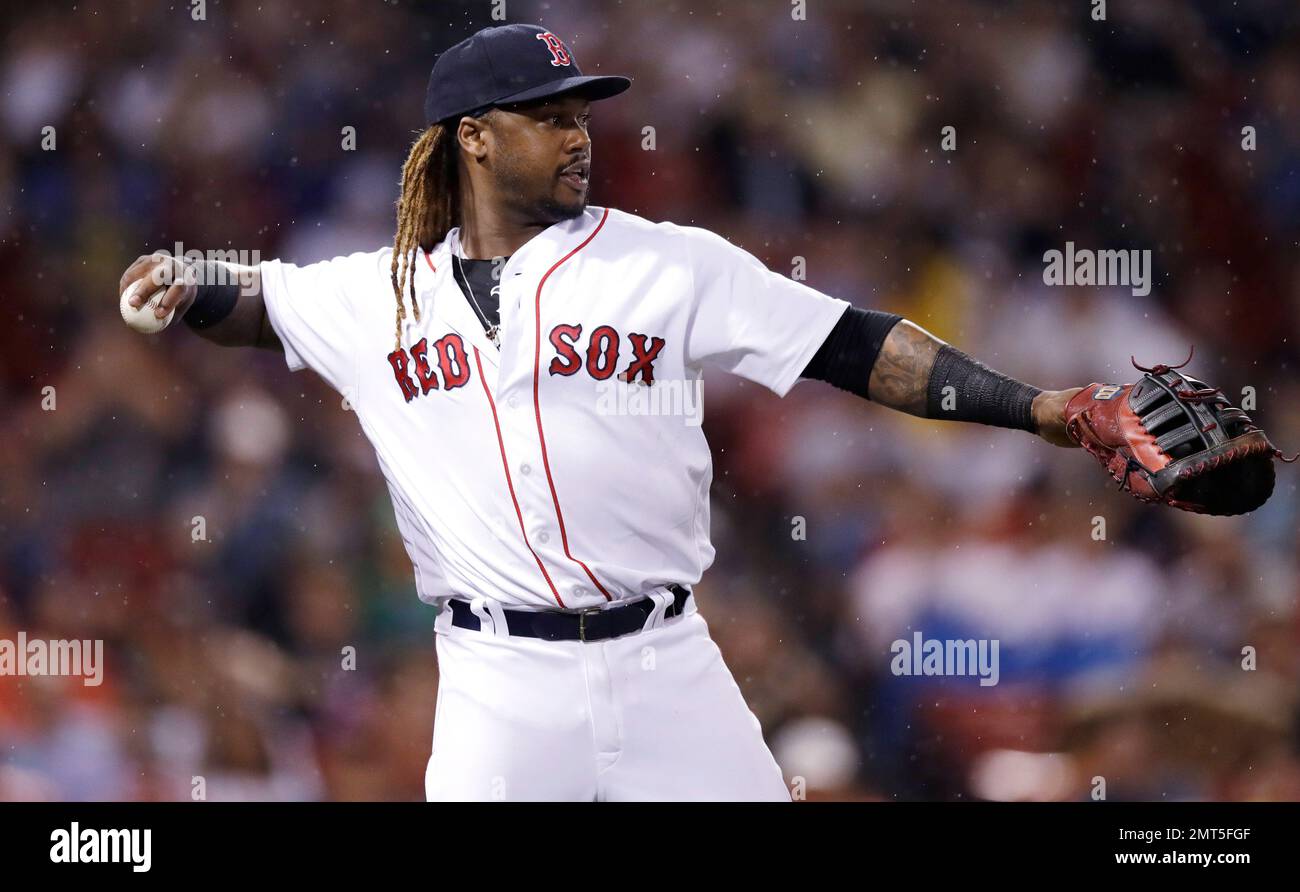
582,621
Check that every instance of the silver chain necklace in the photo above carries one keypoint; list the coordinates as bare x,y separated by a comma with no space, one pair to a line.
493,331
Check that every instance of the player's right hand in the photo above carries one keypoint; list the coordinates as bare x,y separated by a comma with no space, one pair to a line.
160,270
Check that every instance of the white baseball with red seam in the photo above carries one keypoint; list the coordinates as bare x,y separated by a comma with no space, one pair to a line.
143,319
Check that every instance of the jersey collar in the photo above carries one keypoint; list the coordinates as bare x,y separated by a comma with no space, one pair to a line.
543,249
438,289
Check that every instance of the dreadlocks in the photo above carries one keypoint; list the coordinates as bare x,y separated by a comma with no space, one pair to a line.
426,210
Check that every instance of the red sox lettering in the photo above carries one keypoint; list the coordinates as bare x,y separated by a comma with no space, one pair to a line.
415,375
602,353
452,365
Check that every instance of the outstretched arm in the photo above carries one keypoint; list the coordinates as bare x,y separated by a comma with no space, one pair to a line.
221,302
897,363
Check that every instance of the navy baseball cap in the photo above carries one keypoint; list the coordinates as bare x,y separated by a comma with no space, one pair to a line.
508,64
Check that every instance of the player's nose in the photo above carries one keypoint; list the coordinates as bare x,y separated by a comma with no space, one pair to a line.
579,142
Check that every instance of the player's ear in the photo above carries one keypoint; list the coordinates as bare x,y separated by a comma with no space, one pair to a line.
472,136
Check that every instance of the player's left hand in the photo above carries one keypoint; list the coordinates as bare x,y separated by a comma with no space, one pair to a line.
1049,416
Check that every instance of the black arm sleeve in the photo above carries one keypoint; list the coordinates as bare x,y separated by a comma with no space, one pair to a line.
847,355
216,297
964,389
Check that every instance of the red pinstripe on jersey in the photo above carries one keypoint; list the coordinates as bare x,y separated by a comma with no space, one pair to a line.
505,466
537,405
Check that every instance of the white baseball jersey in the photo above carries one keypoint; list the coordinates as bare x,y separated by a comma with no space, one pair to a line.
567,468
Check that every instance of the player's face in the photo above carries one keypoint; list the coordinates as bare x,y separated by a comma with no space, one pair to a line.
541,157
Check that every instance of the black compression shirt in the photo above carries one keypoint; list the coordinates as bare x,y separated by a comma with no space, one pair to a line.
484,283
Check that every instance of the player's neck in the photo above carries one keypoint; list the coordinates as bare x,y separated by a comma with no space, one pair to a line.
486,233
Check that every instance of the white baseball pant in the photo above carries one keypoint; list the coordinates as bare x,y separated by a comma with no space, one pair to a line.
654,715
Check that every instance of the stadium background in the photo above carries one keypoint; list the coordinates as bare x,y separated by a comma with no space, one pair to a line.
816,139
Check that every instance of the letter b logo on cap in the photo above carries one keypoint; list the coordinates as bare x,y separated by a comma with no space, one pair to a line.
559,55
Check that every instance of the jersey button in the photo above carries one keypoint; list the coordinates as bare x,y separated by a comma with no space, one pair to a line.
525,469
543,537
512,402
579,592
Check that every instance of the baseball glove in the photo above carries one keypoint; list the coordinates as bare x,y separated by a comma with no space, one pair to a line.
1171,438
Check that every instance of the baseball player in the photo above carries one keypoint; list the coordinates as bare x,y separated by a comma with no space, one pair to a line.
560,540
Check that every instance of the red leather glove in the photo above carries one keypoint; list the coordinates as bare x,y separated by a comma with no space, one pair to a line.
1170,438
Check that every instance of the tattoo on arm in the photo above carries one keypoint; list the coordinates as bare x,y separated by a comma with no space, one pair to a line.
901,376
917,373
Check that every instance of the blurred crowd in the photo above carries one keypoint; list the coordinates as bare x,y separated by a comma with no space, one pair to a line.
222,525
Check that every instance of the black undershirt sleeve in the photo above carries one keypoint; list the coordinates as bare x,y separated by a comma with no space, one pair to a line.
960,388
846,357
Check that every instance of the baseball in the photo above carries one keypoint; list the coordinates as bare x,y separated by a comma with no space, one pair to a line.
143,319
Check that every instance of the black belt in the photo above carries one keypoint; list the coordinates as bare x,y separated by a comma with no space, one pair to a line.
592,624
